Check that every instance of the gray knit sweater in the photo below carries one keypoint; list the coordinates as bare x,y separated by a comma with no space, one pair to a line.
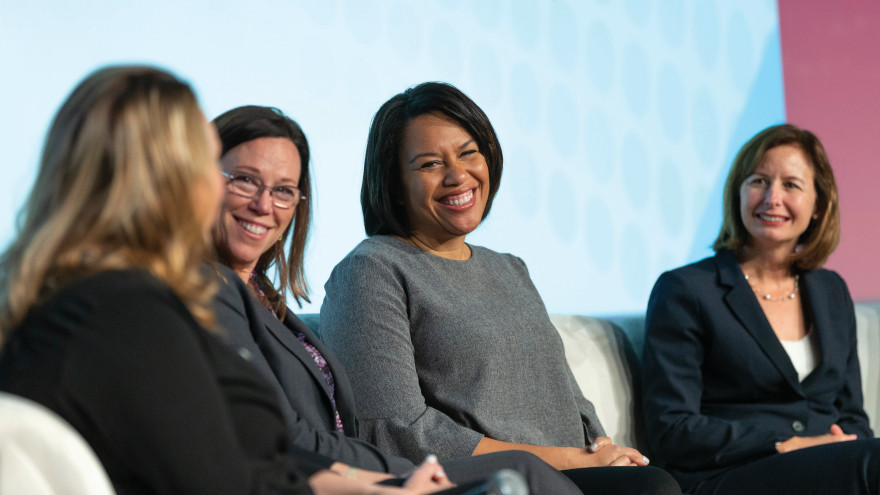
443,352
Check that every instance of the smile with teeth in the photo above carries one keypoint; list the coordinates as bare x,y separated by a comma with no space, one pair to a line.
459,199
252,227
770,218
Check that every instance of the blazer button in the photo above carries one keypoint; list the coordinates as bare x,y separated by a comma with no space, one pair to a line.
245,353
797,426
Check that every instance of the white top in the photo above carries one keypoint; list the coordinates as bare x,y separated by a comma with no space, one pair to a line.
804,354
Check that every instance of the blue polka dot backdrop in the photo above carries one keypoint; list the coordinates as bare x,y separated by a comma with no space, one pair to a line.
618,119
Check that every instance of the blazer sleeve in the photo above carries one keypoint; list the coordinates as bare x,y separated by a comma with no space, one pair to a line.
850,402
672,383
364,319
172,402
231,305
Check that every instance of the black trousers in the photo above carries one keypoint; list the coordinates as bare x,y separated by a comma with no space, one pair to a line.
838,468
540,476
629,480
543,479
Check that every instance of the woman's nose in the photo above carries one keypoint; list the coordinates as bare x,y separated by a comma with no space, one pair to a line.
262,202
456,173
773,194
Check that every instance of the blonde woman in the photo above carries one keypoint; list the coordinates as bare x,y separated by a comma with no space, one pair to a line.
104,310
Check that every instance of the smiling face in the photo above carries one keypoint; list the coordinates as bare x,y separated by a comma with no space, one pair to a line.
778,200
248,227
445,180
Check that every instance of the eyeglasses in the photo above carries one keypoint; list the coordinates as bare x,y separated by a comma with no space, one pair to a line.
248,186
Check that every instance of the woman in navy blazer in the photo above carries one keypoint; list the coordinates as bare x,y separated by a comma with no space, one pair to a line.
751,376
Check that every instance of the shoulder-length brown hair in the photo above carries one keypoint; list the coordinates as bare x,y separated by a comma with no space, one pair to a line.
115,189
822,235
246,123
381,189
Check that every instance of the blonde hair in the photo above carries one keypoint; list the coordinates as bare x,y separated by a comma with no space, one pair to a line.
822,235
114,191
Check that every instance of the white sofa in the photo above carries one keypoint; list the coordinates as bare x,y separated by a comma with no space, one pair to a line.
604,355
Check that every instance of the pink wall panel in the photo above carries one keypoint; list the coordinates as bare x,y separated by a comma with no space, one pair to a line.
831,63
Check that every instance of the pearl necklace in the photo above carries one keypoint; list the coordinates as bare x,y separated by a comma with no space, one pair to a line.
768,297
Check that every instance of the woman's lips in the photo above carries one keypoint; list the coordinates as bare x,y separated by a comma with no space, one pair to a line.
458,200
252,228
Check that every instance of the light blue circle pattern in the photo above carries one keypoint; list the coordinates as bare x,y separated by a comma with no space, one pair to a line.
407,35
636,78
637,269
520,172
670,98
563,35
562,117
739,51
705,29
485,72
563,207
525,97
704,126
600,56
487,12
600,145
525,19
446,55
639,11
636,170
600,234
363,20
672,22
672,196
322,13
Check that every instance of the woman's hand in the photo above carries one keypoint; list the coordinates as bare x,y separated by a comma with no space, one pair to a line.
428,478
835,434
600,453
603,452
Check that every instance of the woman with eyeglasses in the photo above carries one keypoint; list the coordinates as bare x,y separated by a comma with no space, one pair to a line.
265,162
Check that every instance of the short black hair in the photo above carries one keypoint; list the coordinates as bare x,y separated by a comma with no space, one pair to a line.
381,189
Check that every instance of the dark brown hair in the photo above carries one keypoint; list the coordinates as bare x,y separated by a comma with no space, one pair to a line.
241,125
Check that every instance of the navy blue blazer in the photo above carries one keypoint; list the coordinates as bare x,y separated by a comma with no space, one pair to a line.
719,389
273,348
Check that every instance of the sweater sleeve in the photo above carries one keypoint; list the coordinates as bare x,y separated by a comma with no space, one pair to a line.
364,319
175,410
590,421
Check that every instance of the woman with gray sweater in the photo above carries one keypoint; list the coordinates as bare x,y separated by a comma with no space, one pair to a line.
449,346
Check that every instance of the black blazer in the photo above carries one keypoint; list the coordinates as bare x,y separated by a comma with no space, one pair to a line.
167,408
719,389
272,346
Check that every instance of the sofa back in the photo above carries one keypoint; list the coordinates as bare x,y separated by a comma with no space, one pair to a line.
605,353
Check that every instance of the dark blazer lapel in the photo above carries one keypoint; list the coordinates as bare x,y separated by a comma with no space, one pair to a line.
344,393
741,301
288,339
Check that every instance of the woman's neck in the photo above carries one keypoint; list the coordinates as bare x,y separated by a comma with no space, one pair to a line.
244,272
768,265
453,249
